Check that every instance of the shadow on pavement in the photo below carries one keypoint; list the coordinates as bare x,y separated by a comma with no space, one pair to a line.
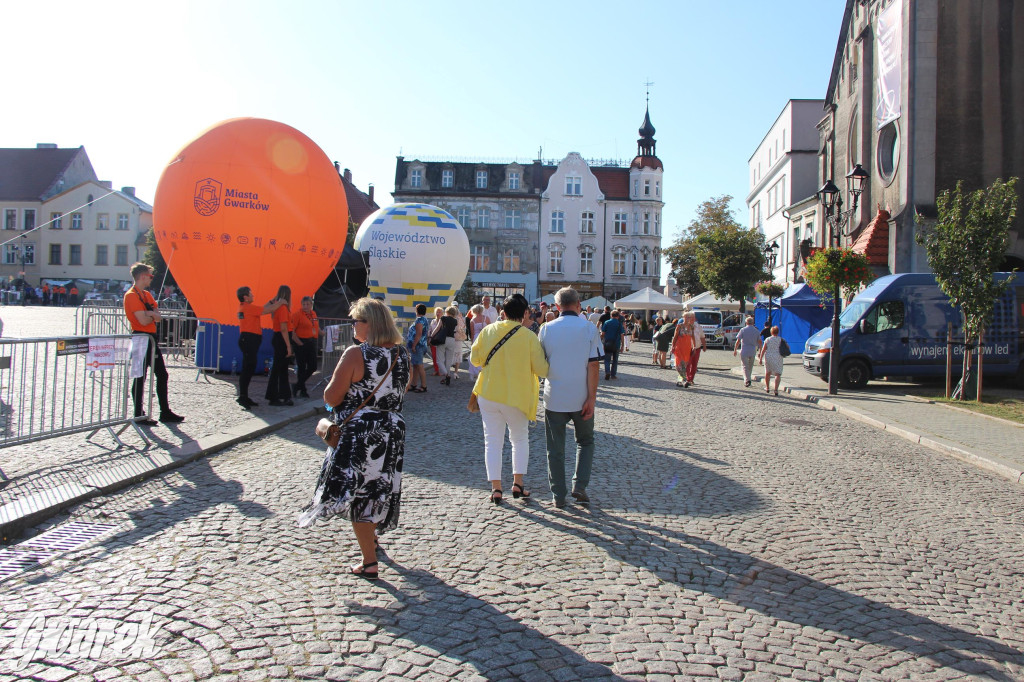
701,565
434,614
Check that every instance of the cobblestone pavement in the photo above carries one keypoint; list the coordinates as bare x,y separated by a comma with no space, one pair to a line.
732,536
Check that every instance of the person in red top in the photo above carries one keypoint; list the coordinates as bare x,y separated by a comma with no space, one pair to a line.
140,309
250,335
74,295
307,331
46,294
278,391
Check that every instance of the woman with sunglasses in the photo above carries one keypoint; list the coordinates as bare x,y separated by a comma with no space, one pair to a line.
361,477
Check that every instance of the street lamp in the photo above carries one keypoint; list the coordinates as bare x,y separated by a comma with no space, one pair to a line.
770,254
838,220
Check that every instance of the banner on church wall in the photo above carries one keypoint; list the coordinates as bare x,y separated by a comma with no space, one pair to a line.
890,64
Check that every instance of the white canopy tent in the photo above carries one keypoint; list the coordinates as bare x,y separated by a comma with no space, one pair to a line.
596,302
648,299
709,300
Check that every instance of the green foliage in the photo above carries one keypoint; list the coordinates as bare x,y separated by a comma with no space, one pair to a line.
155,259
716,253
832,266
730,262
770,289
467,294
966,246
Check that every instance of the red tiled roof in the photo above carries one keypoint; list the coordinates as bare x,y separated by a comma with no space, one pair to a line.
26,174
647,162
359,204
614,182
873,241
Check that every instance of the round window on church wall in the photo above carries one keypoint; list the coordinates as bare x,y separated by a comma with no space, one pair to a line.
888,151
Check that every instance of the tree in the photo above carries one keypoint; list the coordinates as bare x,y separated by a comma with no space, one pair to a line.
965,248
731,261
155,259
467,294
713,214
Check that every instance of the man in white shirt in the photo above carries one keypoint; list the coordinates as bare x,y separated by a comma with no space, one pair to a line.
574,350
595,317
748,343
490,313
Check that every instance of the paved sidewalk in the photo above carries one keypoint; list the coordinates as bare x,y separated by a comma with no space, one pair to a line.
996,445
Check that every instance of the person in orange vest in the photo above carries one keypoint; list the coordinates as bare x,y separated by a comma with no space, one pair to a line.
46,294
307,331
250,335
74,295
140,309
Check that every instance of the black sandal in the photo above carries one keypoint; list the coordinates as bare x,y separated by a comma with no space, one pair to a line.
496,494
522,492
362,573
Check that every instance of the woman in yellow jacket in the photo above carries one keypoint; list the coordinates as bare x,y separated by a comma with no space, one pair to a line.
507,390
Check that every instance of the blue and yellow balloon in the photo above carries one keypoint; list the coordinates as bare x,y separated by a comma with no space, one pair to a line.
418,253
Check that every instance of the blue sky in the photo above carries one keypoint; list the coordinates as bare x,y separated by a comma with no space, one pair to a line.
134,81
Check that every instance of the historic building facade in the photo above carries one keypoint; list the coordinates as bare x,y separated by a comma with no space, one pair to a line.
783,176
923,94
498,204
534,228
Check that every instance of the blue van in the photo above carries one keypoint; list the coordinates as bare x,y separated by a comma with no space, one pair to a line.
897,327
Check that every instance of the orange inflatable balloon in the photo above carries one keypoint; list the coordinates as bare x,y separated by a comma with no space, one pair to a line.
249,202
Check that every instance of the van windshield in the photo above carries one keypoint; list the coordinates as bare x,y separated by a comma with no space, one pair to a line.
708,317
853,312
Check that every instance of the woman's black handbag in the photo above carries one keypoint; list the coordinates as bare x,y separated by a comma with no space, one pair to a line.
784,348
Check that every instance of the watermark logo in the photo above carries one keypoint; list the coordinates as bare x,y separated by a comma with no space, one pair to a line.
207,197
38,638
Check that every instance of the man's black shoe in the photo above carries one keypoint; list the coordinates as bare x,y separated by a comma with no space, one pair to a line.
276,403
580,496
288,402
145,421
244,403
171,418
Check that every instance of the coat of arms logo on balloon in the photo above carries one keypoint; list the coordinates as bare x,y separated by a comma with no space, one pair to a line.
418,253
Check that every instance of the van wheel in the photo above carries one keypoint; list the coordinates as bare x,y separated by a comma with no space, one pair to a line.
854,374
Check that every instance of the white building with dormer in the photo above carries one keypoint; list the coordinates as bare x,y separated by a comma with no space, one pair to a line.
601,224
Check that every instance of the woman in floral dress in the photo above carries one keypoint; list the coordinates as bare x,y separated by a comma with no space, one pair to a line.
361,478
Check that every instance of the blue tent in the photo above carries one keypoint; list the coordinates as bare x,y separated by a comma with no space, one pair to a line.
799,314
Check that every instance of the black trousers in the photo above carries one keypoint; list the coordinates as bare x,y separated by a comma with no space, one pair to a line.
277,386
249,344
305,362
159,371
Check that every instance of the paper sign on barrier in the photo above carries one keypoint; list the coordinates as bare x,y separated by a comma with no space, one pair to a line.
104,354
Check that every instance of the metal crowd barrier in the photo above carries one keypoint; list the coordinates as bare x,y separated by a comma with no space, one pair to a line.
58,386
185,341
337,337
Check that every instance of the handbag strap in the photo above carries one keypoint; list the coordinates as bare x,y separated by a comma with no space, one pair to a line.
379,384
502,343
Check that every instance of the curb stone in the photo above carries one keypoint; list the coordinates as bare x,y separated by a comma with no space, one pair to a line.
18,515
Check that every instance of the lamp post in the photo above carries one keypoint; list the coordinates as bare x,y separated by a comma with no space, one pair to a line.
838,220
770,255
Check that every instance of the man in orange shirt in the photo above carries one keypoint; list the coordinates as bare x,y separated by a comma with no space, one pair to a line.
140,309
250,335
307,330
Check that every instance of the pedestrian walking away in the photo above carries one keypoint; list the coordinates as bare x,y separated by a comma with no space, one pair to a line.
613,334
511,360
691,364
573,350
305,338
447,351
416,344
771,357
434,323
748,343
250,336
279,391
361,476
141,310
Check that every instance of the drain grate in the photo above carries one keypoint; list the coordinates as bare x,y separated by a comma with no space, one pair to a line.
48,545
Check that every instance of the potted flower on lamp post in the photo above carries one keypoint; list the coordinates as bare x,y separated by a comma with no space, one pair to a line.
771,290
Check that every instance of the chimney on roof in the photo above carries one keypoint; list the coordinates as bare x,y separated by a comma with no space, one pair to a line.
370,193
348,175
45,145
130,191
107,184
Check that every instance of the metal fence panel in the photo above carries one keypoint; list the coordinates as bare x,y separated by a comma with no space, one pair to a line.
337,337
58,386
